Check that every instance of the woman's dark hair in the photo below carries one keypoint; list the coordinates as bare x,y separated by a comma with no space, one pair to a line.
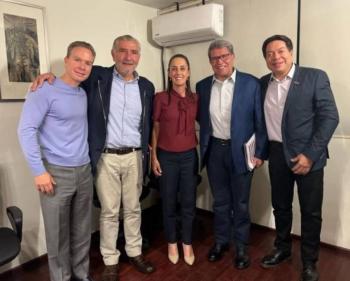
188,83
277,37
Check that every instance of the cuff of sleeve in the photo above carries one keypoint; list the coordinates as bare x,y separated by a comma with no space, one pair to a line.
38,169
313,155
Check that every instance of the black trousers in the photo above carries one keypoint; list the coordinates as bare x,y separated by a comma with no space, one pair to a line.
231,195
178,182
310,193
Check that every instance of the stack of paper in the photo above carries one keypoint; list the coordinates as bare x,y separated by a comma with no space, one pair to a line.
249,151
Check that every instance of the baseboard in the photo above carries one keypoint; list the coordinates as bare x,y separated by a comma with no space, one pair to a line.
33,263
339,249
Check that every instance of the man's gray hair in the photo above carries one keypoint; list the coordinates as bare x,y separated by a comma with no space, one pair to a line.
220,43
125,37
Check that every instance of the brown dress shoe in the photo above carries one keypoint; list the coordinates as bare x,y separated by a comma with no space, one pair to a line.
110,273
141,264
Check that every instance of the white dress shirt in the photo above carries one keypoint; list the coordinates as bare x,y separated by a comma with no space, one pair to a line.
275,100
221,105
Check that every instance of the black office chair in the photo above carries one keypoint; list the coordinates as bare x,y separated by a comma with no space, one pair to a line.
10,239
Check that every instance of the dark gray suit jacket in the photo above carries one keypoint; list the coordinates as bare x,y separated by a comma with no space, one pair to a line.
310,116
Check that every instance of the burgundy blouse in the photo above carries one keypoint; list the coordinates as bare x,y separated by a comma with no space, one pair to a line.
176,121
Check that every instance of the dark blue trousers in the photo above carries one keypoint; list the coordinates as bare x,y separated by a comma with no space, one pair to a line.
178,182
231,195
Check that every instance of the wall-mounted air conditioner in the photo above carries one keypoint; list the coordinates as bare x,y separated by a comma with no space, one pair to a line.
195,24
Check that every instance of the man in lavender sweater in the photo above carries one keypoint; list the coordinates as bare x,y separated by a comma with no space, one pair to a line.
53,133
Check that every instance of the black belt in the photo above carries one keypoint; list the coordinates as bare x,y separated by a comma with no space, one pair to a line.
275,143
121,151
221,141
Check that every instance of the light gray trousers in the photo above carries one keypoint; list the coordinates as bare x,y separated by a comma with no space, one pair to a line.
67,219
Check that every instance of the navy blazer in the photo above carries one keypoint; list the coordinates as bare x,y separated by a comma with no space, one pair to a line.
246,119
310,116
98,88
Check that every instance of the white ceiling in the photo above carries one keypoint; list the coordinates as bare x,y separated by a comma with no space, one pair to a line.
158,4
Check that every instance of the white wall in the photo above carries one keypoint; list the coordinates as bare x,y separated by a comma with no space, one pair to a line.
247,24
98,23
324,31
324,44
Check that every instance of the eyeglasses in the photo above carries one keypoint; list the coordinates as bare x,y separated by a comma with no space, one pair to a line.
224,57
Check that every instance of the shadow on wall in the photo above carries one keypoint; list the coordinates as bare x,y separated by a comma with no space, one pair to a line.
336,196
260,198
2,203
204,196
57,67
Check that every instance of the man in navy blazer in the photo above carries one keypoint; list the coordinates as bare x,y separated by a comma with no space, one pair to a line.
301,116
230,112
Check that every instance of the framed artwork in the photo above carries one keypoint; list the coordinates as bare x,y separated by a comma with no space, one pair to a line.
23,48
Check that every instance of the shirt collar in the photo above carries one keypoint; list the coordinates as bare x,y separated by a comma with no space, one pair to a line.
232,77
118,76
289,75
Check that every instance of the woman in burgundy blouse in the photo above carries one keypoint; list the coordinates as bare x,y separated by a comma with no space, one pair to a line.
174,155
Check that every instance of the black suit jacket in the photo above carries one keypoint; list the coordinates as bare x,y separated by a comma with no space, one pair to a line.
310,115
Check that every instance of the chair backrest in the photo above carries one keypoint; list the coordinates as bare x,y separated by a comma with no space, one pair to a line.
10,239
15,216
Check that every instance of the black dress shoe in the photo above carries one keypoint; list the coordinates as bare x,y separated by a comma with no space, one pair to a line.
275,258
141,264
242,259
309,273
217,251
